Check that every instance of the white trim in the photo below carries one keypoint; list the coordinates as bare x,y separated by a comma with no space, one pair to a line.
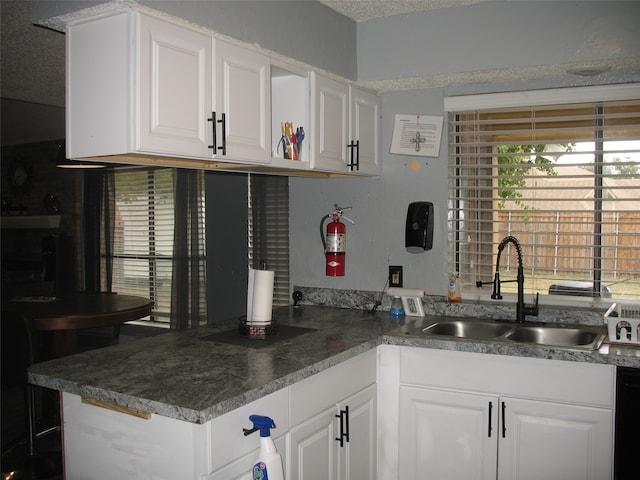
555,96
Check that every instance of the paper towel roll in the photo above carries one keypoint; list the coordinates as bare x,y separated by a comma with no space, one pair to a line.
260,297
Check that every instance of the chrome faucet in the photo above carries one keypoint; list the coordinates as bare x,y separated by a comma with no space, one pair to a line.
521,309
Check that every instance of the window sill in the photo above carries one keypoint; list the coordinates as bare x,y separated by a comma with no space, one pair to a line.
558,301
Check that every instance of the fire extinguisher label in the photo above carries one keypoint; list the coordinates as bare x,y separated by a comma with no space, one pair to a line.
336,242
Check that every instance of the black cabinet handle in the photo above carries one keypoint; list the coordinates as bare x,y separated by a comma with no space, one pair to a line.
354,165
504,426
490,413
214,136
346,415
223,121
340,438
344,426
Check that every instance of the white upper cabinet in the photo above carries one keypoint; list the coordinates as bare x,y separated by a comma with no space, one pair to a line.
346,127
141,85
330,117
174,90
243,86
138,85
365,128
141,89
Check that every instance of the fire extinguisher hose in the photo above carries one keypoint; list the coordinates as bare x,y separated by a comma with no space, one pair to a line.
322,223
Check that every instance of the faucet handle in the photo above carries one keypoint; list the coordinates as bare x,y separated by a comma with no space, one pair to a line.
533,309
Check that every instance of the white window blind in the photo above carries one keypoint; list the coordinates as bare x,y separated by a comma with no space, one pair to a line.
269,230
143,236
564,179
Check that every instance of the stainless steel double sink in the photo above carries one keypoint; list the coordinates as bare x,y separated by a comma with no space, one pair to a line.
584,337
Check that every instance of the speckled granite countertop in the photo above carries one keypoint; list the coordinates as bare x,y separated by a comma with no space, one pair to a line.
191,377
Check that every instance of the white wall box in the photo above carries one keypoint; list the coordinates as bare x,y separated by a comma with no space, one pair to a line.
346,123
488,416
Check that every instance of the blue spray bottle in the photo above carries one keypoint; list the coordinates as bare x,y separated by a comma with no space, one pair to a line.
269,463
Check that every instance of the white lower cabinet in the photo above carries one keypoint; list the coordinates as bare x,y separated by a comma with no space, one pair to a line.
554,441
458,435
338,443
390,413
333,423
102,443
474,416
446,435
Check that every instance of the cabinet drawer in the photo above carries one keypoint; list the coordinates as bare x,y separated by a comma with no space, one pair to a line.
541,379
319,392
240,469
228,441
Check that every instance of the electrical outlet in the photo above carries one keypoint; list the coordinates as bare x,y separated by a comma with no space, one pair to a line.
395,276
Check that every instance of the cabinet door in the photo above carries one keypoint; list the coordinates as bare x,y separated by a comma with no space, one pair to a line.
330,117
555,441
313,448
357,457
243,85
365,127
447,434
174,90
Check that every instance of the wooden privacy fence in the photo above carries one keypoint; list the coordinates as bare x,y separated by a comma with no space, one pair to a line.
552,241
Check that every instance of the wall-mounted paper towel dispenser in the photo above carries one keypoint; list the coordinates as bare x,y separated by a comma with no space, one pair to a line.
419,228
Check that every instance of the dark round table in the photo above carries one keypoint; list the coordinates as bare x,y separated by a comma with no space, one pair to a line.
65,314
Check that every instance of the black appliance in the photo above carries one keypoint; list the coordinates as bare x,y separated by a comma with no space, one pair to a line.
627,423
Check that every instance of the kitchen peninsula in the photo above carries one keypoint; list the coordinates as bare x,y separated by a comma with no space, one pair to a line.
188,394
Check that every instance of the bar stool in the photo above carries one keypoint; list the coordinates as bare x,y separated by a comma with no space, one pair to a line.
20,349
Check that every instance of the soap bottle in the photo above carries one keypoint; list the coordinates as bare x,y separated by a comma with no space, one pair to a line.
453,294
396,311
269,463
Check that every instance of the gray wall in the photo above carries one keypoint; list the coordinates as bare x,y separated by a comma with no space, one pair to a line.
500,41
500,35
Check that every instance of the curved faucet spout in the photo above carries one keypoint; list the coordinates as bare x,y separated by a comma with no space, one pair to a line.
506,240
496,295
521,309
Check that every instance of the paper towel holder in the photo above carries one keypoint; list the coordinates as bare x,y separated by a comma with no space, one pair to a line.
259,332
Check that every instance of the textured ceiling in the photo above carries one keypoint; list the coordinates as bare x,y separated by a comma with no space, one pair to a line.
362,10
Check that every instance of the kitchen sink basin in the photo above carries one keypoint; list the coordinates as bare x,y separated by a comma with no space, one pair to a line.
584,337
468,329
559,335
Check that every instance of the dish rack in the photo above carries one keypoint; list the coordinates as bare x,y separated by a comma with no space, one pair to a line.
623,322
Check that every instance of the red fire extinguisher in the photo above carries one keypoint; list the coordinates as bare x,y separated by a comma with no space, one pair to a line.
334,241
